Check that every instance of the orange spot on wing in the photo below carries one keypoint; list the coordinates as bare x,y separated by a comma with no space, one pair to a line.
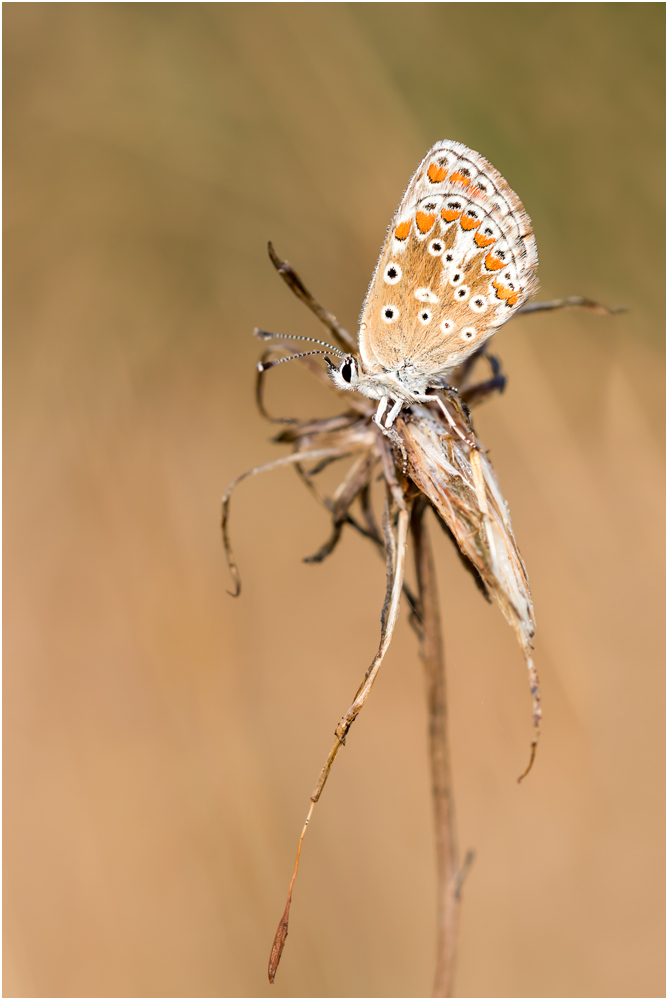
468,223
425,220
458,178
449,214
475,192
402,230
484,241
502,292
436,174
493,263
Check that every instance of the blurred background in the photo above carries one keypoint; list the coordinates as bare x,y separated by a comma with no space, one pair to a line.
161,738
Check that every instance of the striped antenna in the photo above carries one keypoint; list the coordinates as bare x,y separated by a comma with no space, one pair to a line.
264,335
262,366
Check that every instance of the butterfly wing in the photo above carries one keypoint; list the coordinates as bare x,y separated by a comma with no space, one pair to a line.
458,261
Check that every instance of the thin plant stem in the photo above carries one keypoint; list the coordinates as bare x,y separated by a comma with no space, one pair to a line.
396,550
571,302
282,932
296,285
296,457
431,653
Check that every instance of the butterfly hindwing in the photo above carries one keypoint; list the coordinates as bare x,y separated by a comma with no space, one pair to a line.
458,261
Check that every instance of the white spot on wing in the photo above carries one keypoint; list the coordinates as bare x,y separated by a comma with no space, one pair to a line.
392,273
425,295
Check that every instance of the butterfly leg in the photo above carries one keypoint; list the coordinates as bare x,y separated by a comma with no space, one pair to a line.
448,416
398,443
382,406
394,413
387,428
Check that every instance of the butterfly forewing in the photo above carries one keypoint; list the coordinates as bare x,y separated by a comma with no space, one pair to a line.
458,261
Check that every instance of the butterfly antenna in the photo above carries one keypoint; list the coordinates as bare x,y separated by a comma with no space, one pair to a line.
262,366
264,335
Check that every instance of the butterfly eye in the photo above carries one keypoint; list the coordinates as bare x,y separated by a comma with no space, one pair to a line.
392,274
447,326
478,304
436,248
468,333
389,314
462,293
347,371
425,317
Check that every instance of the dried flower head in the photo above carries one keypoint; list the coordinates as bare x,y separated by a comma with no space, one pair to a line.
432,460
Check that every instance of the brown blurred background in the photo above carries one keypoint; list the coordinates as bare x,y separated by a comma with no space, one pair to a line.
162,739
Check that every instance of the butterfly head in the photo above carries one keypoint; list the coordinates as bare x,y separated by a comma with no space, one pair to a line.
347,374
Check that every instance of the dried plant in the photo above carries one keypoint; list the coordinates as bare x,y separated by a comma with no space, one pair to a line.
438,463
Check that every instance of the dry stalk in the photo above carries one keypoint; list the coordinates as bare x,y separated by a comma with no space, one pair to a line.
439,464
449,875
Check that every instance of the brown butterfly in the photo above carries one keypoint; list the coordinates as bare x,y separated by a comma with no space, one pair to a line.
458,261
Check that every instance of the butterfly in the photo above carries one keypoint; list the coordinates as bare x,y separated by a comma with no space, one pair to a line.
459,260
